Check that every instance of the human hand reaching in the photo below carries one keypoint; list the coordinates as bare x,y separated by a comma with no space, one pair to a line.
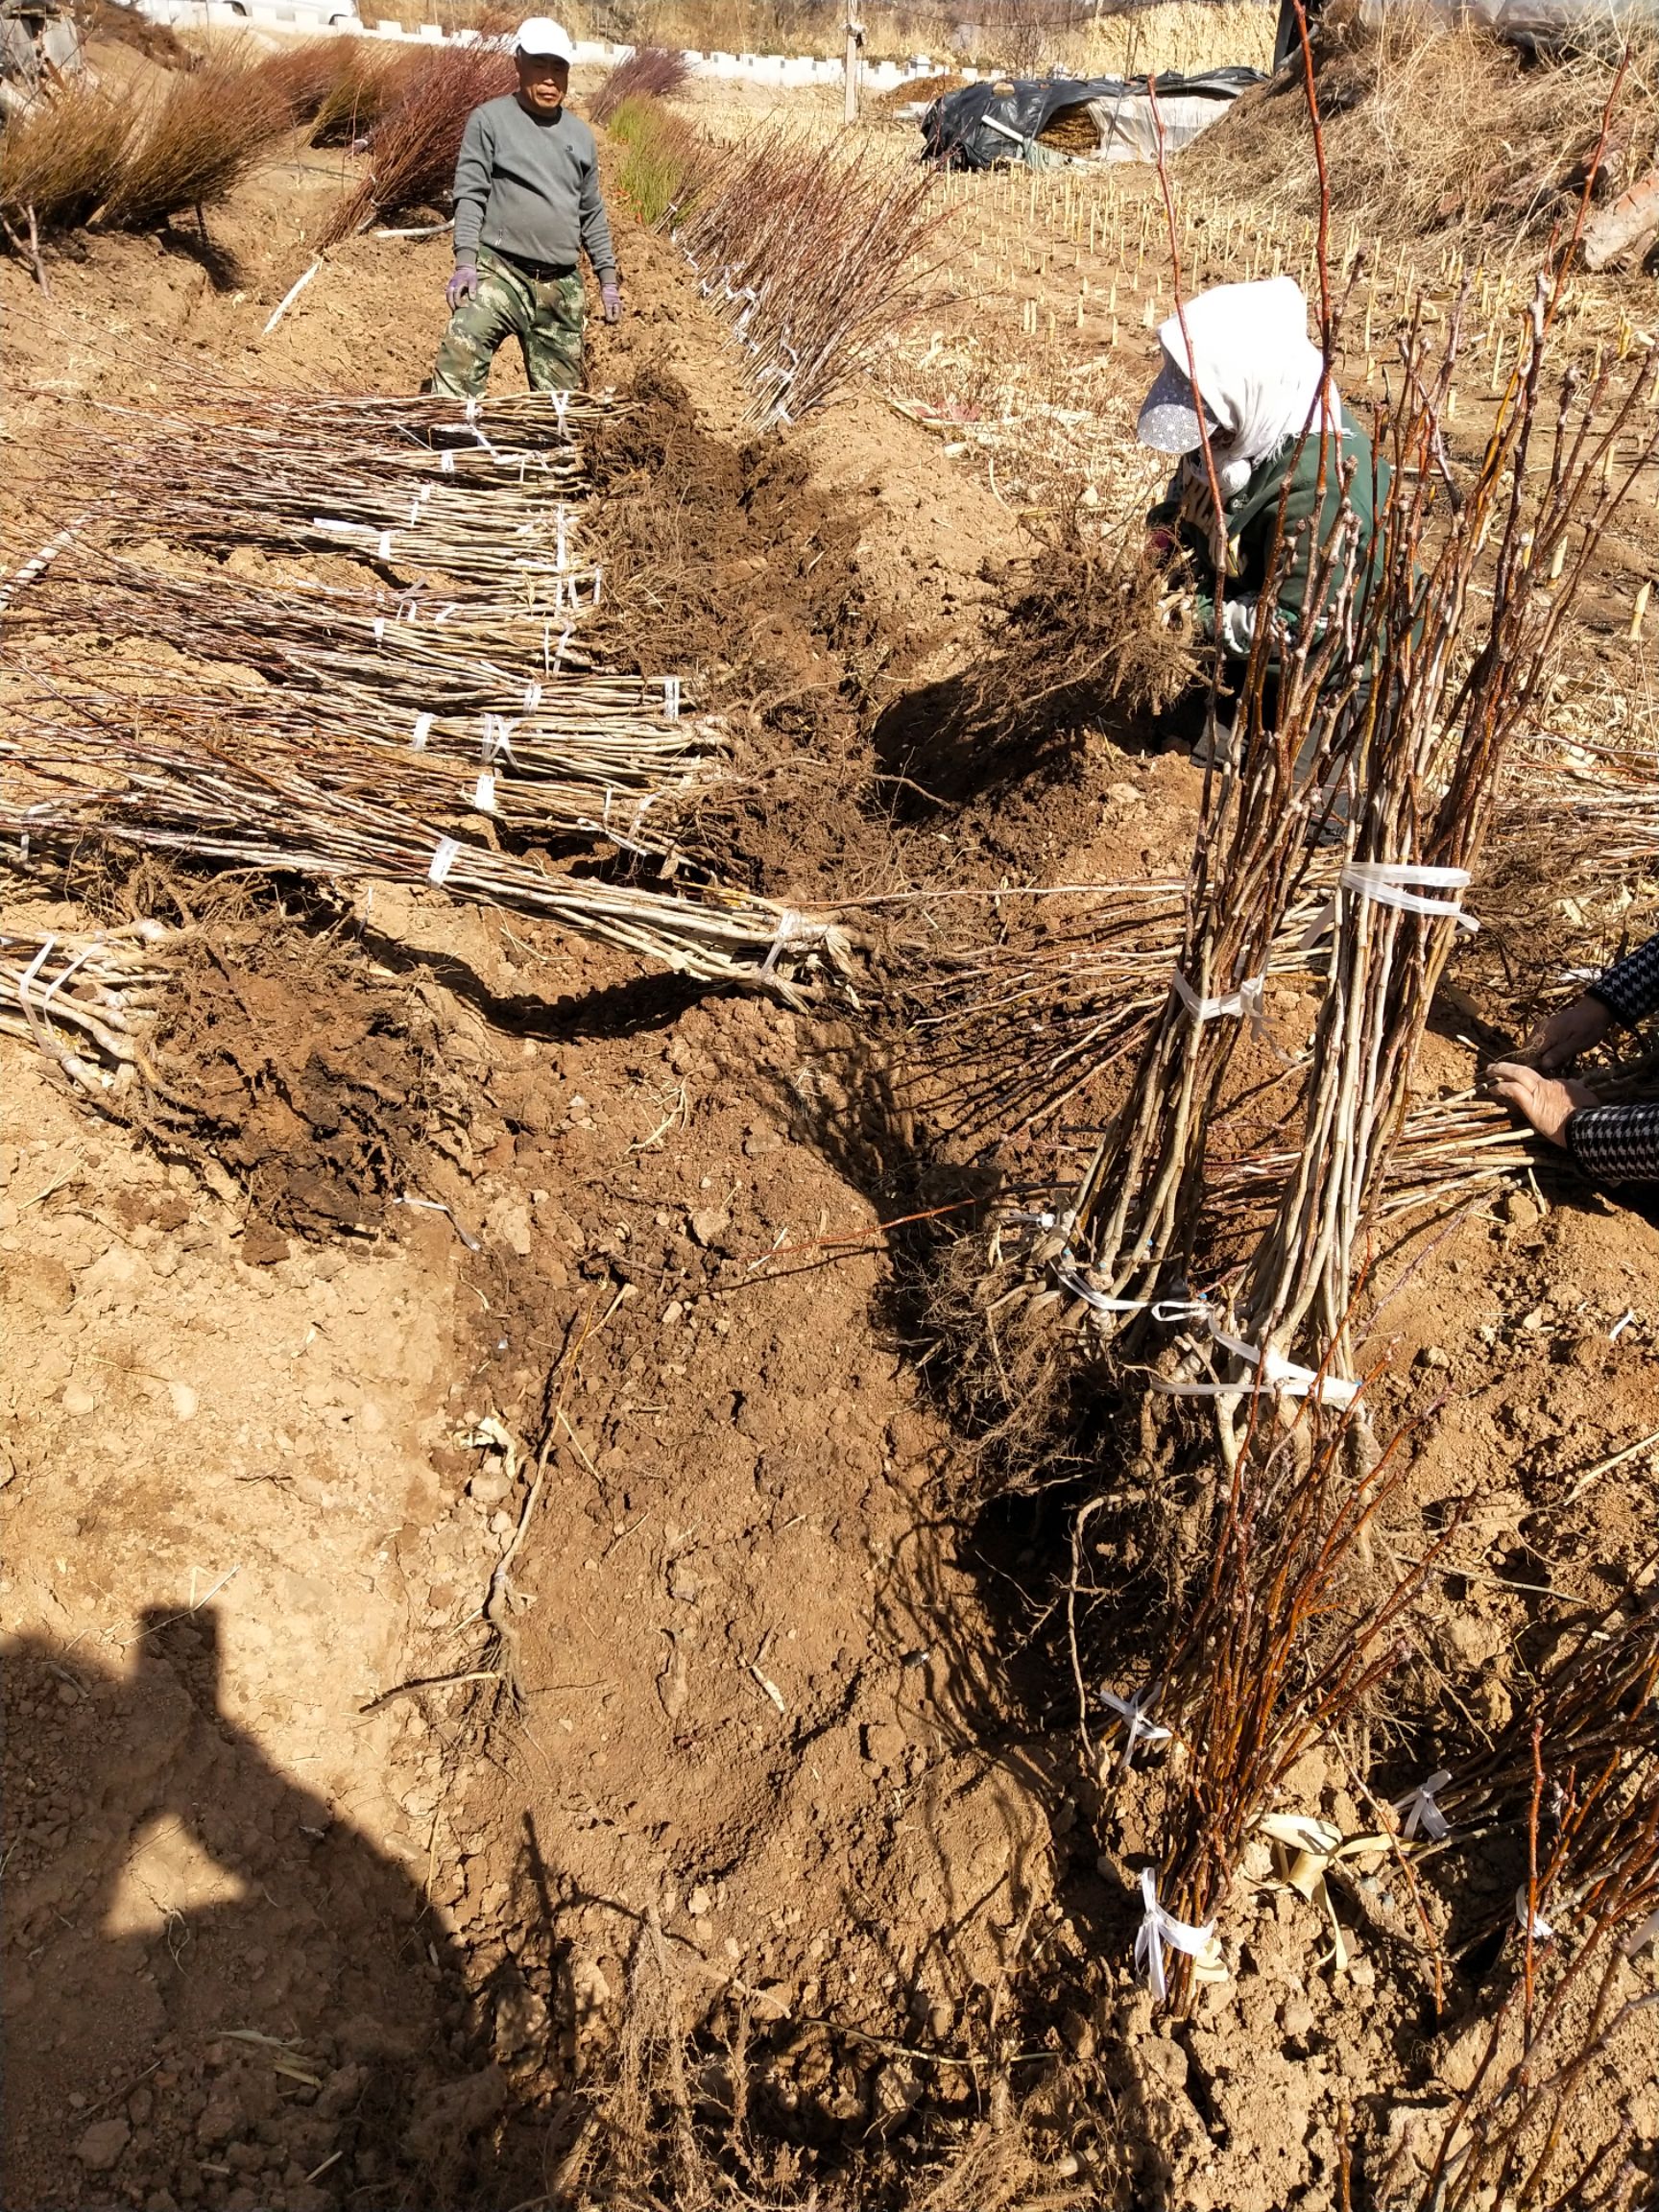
1546,1104
1568,1031
463,285
611,299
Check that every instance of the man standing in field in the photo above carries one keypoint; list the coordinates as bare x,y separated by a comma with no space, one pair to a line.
527,207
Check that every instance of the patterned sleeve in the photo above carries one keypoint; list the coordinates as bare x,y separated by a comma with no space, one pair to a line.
1631,988
1616,1143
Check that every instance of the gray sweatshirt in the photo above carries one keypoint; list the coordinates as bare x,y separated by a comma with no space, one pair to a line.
530,186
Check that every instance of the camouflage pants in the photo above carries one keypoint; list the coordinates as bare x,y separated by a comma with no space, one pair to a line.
545,317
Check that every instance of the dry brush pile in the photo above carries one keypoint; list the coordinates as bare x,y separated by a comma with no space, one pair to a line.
1437,126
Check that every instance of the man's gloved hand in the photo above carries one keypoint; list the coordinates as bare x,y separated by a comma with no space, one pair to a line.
463,285
1235,625
611,299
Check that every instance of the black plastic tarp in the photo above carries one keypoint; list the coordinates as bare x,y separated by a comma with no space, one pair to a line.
997,118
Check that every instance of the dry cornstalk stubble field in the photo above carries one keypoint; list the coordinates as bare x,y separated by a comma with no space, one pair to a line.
705,1510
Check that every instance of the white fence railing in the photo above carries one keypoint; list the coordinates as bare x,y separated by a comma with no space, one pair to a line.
313,16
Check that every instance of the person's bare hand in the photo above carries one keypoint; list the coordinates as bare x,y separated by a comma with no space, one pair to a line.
1573,1030
1540,1099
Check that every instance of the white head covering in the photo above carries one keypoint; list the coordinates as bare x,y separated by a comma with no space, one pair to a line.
1254,367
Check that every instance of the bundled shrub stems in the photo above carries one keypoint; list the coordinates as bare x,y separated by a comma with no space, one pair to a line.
1388,736
413,147
1292,1628
81,156
649,72
381,730
175,798
1422,777
1278,1649
806,253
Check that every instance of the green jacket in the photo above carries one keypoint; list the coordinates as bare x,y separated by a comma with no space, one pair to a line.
1252,518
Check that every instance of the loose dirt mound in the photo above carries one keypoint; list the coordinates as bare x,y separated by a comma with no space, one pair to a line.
321,1089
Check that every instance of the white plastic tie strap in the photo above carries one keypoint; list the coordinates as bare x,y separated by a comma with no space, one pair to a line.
1168,1311
421,730
1246,1003
383,549
1135,1714
484,794
1159,1929
380,629
497,739
1530,1922
1273,1372
1421,1812
671,698
444,859
447,463
795,931
532,697
1403,884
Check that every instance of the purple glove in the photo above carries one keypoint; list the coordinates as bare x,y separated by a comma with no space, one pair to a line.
463,285
611,299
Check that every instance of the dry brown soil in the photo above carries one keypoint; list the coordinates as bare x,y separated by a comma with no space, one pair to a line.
773,1738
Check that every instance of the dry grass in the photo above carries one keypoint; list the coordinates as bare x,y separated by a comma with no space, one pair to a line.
195,145
59,162
1431,126
1179,34
491,21
1023,34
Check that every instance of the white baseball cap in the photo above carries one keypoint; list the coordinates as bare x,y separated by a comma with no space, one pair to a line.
544,40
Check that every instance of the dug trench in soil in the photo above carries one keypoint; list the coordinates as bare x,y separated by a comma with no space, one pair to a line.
282,1942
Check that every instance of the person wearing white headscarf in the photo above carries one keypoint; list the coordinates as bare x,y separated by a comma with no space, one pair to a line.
1274,422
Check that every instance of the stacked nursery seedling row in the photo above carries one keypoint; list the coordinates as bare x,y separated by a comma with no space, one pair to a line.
400,690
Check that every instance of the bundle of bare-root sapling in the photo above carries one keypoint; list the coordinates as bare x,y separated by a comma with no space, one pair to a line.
1129,1236
413,147
808,255
99,782
1455,675
1554,1827
1282,1644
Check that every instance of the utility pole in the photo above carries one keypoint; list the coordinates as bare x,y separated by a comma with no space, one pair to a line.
854,49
